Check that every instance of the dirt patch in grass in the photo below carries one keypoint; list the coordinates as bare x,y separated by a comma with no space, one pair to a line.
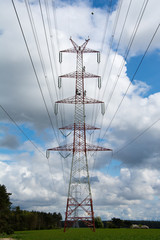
6,239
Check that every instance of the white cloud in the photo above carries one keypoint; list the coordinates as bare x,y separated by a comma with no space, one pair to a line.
147,26
128,195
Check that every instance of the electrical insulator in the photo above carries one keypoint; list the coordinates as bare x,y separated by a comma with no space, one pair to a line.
59,82
60,57
102,108
47,154
99,82
98,57
56,108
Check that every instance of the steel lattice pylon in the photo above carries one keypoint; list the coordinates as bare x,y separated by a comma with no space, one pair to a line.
79,202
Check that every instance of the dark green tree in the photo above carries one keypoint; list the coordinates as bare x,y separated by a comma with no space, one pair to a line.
117,222
5,212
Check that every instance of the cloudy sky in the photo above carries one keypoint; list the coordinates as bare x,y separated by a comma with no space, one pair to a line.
124,183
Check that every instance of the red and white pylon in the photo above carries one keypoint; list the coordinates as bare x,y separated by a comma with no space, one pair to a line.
79,202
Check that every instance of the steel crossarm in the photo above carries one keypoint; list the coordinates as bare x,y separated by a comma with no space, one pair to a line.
69,50
74,75
89,148
80,127
76,100
88,50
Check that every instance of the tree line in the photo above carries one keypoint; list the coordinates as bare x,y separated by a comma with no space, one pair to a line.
119,223
26,220
16,219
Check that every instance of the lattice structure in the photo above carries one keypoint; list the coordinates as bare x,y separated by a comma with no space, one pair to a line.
79,202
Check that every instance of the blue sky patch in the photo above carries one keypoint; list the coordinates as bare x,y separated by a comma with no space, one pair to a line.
95,4
113,168
147,73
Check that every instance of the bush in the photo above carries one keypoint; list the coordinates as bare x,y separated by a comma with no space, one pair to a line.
111,225
98,222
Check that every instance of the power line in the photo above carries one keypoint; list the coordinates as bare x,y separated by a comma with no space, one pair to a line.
132,79
103,39
41,59
53,50
135,138
128,49
55,22
106,62
112,36
34,69
29,11
48,49
53,54
51,34
115,54
102,45
20,129
38,47
111,42
106,24
50,59
43,67
62,115
144,5
26,136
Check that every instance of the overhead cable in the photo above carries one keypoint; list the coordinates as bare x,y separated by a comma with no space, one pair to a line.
112,36
106,62
130,85
128,49
38,47
135,138
106,25
144,5
124,95
34,69
115,54
21,130
50,59
95,108
53,50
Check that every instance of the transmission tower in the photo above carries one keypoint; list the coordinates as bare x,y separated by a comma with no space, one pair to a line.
79,202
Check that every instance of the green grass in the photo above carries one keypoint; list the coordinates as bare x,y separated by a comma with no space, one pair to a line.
87,234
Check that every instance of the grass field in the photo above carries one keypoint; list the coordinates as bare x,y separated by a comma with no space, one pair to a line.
87,234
